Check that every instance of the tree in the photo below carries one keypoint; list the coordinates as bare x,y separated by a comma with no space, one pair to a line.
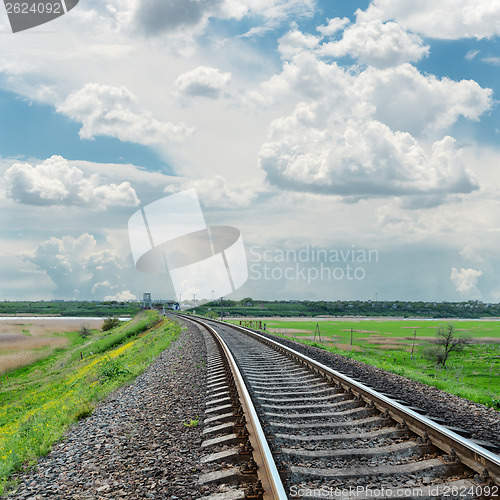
446,342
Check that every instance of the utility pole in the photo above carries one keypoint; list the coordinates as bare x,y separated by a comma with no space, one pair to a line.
221,313
318,333
413,345
194,303
351,336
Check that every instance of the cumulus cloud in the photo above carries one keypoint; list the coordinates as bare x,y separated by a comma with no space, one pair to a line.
393,96
446,19
368,132
114,111
202,81
295,42
56,182
311,151
407,100
379,44
334,26
123,296
307,78
465,280
77,266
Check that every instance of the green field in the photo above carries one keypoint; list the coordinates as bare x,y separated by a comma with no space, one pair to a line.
38,402
473,374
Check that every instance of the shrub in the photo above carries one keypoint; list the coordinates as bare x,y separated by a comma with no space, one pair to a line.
112,368
110,323
85,331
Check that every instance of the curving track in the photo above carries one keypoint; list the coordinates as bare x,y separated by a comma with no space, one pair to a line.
333,437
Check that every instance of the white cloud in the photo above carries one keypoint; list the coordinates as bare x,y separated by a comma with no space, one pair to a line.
56,182
295,42
312,151
272,11
465,280
307,78
367,133
393,96
202,81
77,266
114,111
471,54
494,60
471,254
334,26
397,96
123,296
379,44
446,19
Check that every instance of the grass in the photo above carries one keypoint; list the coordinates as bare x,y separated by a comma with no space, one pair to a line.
23,344
39,402
387,344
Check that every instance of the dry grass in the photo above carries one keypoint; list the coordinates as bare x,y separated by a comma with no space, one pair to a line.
19,359
20,343
44,327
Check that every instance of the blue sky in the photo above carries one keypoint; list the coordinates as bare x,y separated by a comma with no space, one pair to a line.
332,125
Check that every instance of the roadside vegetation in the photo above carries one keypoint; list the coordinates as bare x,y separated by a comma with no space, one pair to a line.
40,401
461,358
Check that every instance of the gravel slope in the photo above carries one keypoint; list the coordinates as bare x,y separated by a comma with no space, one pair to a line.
134,445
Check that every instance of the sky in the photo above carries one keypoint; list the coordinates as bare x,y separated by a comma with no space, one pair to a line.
354,144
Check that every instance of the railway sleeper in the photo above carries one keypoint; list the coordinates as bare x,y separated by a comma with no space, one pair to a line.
349,404
355,412
288,385
387,432
292,394
305,399
286,378
426,468
406,449
367,423
440,491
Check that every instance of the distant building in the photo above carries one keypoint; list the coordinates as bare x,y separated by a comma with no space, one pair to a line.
146,300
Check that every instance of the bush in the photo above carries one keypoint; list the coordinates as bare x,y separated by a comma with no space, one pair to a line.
85,331
110,323
112,368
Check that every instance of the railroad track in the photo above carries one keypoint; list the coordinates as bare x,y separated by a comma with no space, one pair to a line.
282,425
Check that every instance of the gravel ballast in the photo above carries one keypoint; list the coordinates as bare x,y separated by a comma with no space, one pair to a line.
135,444
479,422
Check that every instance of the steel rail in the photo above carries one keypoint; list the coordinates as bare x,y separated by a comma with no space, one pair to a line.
267,471
471,454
